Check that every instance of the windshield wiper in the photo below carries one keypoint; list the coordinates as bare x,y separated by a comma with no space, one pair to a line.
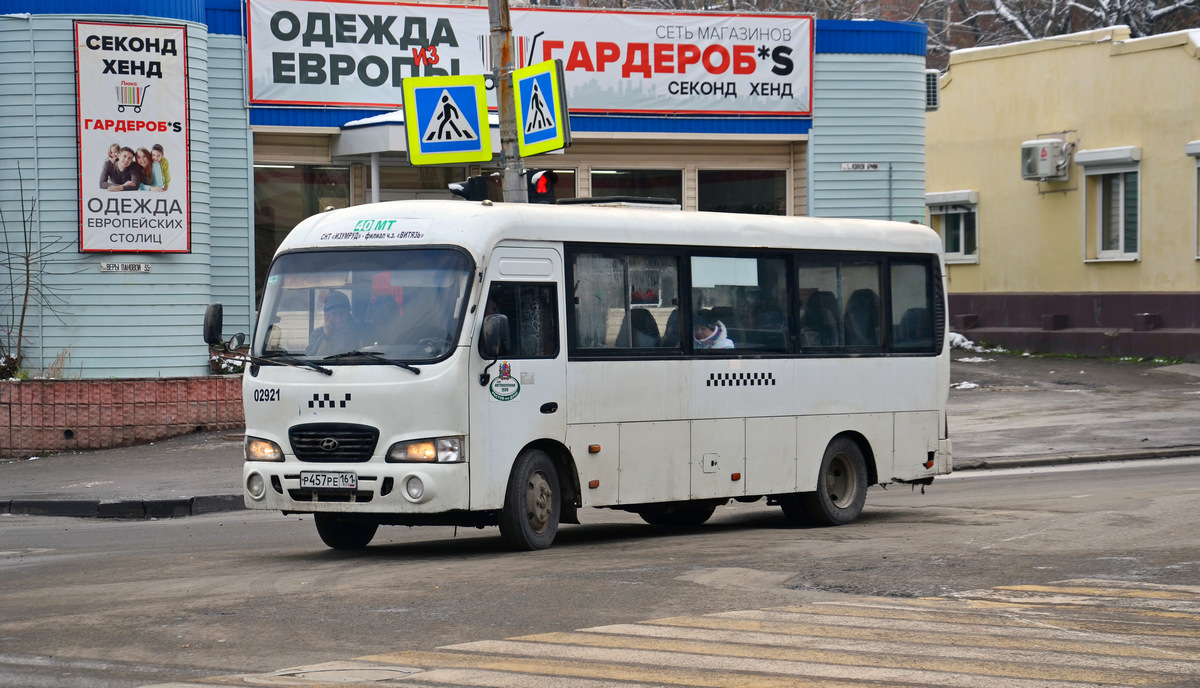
282,358
377,355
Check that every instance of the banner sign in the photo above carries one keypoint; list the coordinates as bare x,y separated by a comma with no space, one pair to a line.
356,54
132,100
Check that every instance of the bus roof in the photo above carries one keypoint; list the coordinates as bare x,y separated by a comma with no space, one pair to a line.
480,226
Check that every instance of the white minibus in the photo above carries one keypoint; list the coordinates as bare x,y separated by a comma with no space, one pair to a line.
480,364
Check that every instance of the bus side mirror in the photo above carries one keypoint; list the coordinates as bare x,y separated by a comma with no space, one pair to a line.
213,316
494,340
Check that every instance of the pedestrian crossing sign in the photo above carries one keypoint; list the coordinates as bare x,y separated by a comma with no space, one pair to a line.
542,121
445,119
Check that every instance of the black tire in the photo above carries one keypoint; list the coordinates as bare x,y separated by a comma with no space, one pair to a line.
532,504
678,514
341,533
841,486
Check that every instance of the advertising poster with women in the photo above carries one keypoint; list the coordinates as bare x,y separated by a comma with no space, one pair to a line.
133,138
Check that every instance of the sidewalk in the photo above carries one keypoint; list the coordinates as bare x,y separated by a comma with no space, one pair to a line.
1005,410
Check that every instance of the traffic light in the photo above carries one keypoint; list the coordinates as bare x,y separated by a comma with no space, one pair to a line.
473,189
541,186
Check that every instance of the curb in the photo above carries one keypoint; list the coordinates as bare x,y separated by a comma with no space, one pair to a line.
1068,459
126,509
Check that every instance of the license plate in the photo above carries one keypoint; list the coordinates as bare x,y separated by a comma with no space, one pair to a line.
328,480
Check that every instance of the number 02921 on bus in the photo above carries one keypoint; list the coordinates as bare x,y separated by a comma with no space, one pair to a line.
457,363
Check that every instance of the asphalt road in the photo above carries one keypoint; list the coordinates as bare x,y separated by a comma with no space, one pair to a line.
103,603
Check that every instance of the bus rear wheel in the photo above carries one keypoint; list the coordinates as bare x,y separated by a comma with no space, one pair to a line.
679,515
532,503
340,533
841,486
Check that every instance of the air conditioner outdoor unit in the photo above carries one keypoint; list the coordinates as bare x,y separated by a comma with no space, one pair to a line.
1045,160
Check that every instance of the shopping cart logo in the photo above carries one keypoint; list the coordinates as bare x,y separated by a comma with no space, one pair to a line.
130,95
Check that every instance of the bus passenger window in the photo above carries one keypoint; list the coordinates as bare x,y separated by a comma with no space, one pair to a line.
737,300
911,313
625,301
532,310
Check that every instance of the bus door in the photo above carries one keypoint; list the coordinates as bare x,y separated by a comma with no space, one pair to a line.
524,397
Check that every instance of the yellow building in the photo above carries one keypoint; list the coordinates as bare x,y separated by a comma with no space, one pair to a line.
1062,175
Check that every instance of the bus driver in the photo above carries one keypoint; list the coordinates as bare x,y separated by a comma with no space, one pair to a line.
339,333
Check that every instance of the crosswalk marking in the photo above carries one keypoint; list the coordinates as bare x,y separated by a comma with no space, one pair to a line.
895,647
910,658
1187,594
928,633
1067,635
542,667
1097,625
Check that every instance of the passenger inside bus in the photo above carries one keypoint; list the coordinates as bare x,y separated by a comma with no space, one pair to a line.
670,336
383,319
862,318
639,329
339,332
711,332
819,321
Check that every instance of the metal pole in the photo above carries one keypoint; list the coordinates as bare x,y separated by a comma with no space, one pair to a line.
891,210
374,177
515,190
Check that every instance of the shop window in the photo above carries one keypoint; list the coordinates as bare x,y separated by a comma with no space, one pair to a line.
756,192
954,217
284,195
1111,202
643,183
739,303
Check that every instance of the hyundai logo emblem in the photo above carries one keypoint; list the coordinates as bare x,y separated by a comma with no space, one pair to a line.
329,444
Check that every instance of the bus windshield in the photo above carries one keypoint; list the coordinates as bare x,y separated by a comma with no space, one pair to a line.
364,306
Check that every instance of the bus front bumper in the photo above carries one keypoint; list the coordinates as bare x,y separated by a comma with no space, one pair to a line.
370,487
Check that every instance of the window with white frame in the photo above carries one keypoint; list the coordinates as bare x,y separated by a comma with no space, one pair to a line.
1112,202
1193,150
952,214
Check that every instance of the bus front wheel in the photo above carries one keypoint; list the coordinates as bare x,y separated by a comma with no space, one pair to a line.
532,503
343,533
841,486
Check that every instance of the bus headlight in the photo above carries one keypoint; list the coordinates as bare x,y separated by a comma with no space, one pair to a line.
262,450
437,450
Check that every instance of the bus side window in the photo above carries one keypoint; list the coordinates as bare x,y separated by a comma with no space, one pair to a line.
532,310
625,302
911,313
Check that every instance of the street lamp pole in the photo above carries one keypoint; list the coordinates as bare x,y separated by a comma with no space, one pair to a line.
515,189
